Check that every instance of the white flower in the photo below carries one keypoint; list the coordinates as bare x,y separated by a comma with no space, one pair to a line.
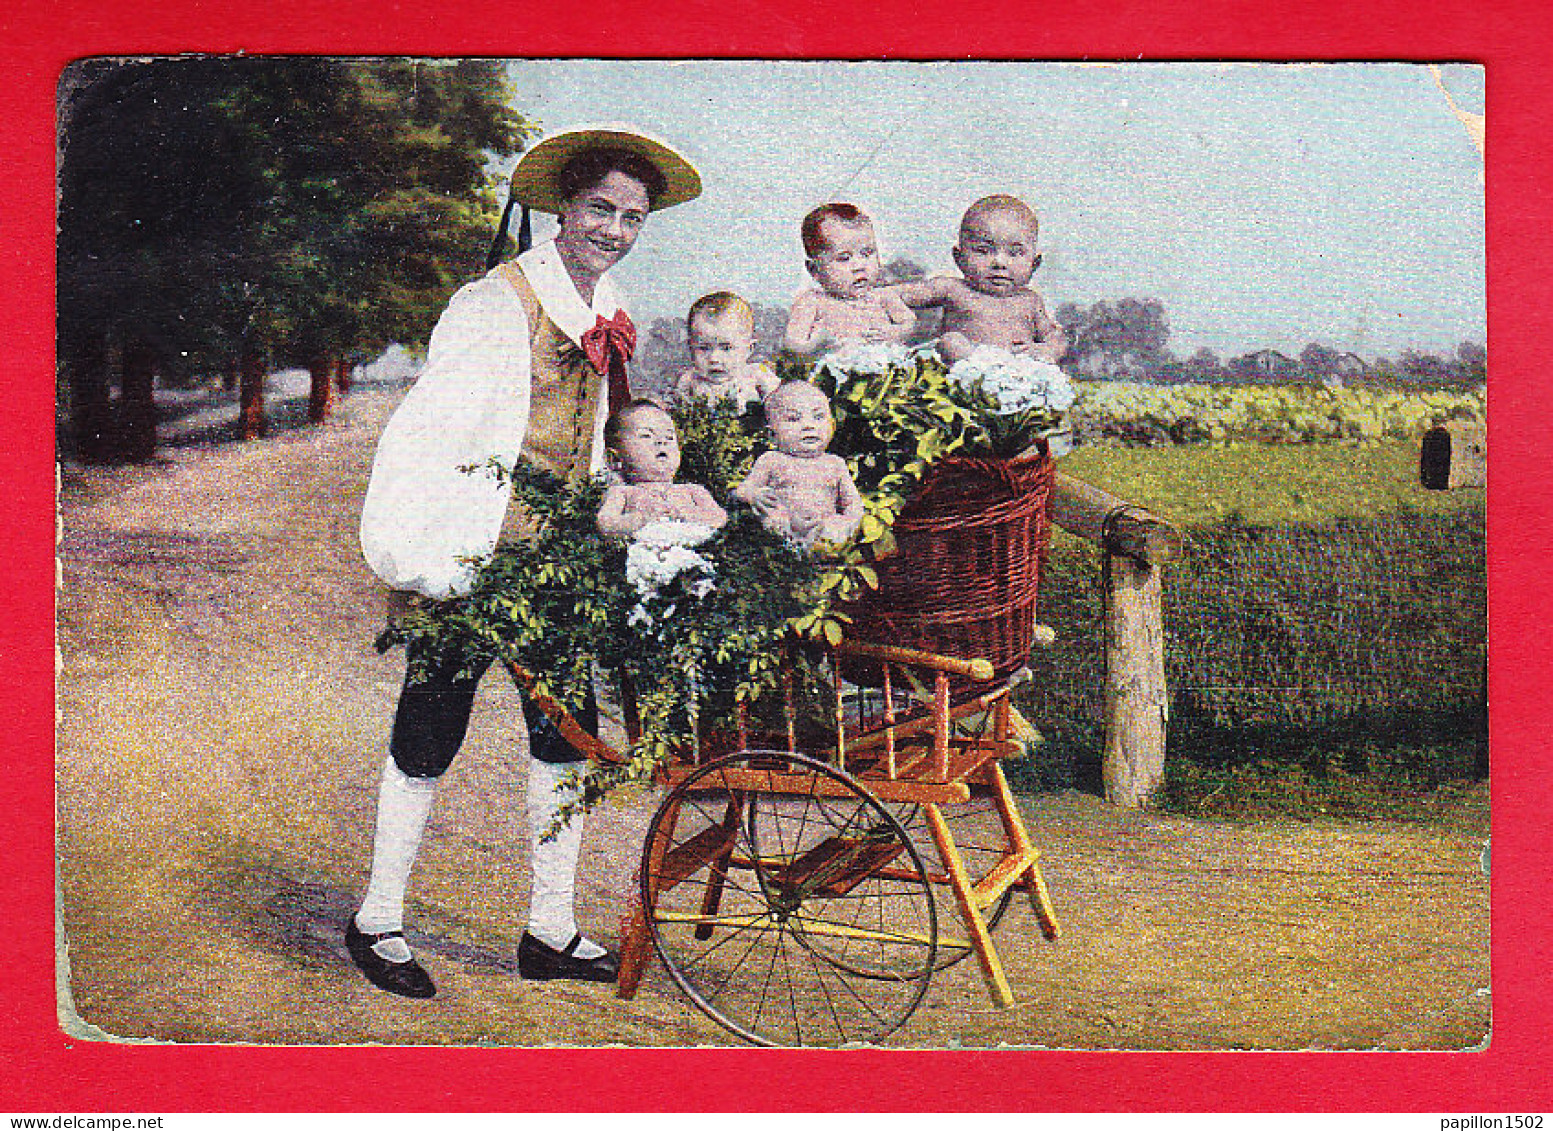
673,532
660,552
863,358
639,617
1015,382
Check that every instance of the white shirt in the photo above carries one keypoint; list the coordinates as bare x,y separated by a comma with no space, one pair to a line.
423,516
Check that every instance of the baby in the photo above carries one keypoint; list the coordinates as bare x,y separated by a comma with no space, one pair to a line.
644,448
802,491
843,259
722,334
993,304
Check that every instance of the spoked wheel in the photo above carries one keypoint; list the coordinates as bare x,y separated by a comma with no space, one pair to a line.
978,833
789,905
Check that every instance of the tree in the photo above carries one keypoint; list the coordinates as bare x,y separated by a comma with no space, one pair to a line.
213,209
1120,338
1471,363
1204,367
1319,361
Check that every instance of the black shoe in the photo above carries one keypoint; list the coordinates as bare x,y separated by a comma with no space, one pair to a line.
541,963
406,979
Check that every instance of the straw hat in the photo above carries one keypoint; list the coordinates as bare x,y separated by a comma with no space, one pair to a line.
534,180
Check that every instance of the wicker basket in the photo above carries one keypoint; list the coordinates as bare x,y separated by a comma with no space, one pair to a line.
964,581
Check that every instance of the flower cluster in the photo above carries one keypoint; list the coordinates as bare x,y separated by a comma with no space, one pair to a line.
658,555
862,358
1013,383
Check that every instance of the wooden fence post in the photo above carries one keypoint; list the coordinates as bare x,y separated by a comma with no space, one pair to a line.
1137,703
1135,544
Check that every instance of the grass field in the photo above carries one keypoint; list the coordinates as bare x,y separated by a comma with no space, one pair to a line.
1325,632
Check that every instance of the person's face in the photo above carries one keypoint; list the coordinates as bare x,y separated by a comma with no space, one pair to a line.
599,224
848,266
647,449
800,422
719,346
996,252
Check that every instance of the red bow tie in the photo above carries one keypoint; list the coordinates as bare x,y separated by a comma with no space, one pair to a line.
609,346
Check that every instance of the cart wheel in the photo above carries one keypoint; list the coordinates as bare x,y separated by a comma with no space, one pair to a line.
978,833
788,904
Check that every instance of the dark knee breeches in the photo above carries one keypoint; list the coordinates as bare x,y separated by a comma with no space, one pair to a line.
433,716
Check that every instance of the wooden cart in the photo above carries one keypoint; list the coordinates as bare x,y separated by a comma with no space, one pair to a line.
804,895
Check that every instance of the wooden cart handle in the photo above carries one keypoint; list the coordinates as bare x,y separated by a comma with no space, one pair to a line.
588,744
977,669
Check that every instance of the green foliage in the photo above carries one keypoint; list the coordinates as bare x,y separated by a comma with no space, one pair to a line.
562,605
1302,659
1133,412
294,206
1265,484
718,444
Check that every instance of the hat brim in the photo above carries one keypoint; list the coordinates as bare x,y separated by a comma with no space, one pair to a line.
534,181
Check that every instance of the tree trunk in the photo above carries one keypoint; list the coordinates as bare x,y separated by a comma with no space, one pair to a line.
251,422
232,378
137,409
320,401
91,414
342,373
1136,706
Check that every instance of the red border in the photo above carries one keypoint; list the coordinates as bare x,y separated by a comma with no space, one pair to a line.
41,1070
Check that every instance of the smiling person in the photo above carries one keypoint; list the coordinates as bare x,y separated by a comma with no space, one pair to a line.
526,363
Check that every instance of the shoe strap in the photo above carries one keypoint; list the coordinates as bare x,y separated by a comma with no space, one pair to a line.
373,940
571,947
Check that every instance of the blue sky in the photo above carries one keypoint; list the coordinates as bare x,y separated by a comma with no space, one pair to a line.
1265,205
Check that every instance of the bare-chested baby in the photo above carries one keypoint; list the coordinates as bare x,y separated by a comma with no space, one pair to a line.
802,491
849,306
721,331
643,448
992,304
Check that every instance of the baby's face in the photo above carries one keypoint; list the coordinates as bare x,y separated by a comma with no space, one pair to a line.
996,252
800,422
720,345
848,266
647,449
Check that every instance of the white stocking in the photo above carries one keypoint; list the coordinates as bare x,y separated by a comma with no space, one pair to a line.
550,915
403,804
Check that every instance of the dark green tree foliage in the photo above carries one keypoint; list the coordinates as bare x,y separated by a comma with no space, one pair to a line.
1124,338
298,207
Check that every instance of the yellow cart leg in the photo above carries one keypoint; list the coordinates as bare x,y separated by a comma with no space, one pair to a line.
1019,840
965,896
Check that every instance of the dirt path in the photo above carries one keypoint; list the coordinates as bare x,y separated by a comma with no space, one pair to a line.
223,724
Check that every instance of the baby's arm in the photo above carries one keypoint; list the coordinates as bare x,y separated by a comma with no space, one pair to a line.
902,317
803,325
685,387
756,490
1051,338
759,379
613,521
921,292
701,507
849,506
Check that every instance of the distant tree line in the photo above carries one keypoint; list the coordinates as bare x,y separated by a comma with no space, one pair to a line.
220,216
1126,339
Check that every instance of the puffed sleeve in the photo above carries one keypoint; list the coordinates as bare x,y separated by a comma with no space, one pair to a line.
424,516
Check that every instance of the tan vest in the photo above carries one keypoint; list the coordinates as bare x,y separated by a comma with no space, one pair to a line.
563,401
